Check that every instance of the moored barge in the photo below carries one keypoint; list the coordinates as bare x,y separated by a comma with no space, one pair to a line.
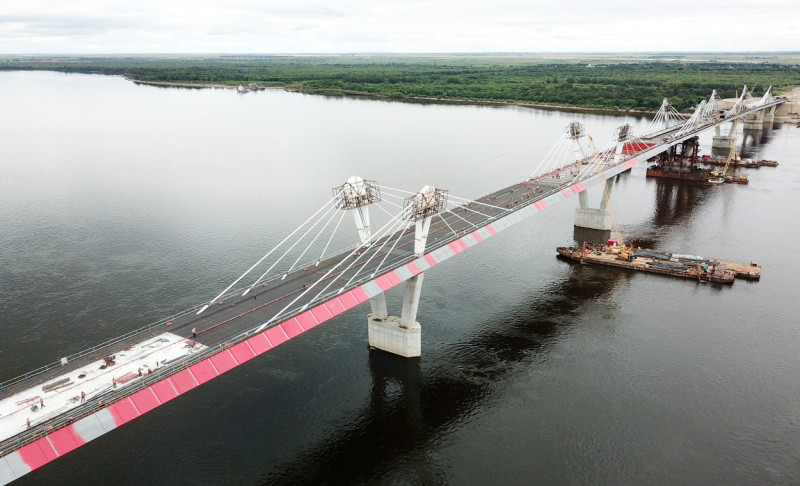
672,264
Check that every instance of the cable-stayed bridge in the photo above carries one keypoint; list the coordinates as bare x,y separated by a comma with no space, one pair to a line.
302,283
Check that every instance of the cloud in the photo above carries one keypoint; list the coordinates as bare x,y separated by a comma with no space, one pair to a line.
127,26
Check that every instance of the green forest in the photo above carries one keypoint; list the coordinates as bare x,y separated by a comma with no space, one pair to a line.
593,83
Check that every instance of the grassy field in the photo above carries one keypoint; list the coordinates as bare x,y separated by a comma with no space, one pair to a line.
633,81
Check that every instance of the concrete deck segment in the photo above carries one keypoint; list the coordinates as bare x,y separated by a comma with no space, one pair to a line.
63,393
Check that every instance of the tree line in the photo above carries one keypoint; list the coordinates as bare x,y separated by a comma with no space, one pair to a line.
616,85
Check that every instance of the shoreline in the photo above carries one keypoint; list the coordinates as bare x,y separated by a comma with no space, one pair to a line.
792,95
421,99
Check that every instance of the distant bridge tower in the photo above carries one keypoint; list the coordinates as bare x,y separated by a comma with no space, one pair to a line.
355,196
768,115
403,335
666,109
722,143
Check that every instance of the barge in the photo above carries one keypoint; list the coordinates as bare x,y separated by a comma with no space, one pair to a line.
672,264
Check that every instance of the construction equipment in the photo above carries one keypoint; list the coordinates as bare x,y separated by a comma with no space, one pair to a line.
626,252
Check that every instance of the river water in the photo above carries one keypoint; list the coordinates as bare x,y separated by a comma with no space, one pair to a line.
120,204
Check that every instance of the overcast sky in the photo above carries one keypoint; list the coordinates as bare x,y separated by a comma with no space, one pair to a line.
336,26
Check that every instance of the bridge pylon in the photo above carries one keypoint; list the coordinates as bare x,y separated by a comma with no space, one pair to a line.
355,195
403,335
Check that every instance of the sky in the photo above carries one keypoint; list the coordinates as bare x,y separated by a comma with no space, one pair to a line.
395,26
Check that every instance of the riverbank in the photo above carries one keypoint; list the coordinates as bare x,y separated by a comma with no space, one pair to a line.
790,111
420,99
791,116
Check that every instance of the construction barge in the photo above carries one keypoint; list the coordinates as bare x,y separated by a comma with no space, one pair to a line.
682,162
672,264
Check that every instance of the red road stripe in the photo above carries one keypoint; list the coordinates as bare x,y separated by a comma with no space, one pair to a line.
223,361
359,294
431,261
334,306
35,455
276,336
123,411
491,229
394,279
65,440
260,343
164,391
203,371
242,352
145,400
291,328
348,301
413,268
307,320
478,238
321,313
384,283
183,381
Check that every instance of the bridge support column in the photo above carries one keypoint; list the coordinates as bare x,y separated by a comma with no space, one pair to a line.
721,142
754,122
595,219
769,118
399,335
403,335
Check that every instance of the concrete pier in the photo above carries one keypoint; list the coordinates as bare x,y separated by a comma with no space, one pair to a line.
722,142
753,122
768,118
594,219
399,335
390,335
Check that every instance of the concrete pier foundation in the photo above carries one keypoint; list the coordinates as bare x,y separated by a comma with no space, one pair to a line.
769,119
390,335
722,142
580,235
753,123
594,219
399,335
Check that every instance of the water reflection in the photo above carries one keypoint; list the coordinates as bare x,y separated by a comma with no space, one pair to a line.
409,408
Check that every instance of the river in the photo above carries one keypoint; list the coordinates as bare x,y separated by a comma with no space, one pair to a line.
121,204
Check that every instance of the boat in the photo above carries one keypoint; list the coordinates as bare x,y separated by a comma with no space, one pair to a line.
241,89
737,179
716,180
651,261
